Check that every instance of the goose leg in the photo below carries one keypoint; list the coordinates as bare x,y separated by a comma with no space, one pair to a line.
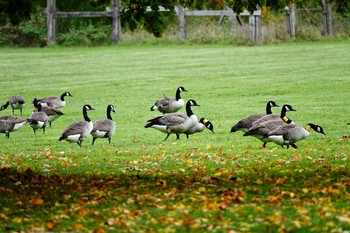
93,141
167,137
177,136
294,146
79,143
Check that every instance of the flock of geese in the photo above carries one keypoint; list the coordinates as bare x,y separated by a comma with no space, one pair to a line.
269,127
47,110
279,129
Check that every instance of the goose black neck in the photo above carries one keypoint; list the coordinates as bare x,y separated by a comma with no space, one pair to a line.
178,94
62,96
188,109
39,107
5,105
268,108
109,114
35,102
283,112
86,117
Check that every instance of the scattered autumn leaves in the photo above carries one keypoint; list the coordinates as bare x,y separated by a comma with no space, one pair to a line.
205,191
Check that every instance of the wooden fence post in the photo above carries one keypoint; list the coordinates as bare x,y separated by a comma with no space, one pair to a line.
51,21
327,17
254,25
182,22
116,21
291,20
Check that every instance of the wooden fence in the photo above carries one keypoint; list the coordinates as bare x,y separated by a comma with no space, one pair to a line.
254,19
52,13
326,10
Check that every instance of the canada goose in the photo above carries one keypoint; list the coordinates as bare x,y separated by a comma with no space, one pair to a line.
15,102
283,116
290,134
260,128
104,128
170,104
6,127
79,130
19,122
54,101
246,123
51,112
199,127
176,123
38,119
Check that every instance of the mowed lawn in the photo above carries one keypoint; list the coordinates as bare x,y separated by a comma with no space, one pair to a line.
220,182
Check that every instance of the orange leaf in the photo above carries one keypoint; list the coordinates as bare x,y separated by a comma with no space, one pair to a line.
281,180
79,227
38,201
99,230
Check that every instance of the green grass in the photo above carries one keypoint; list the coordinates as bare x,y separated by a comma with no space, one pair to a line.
210,182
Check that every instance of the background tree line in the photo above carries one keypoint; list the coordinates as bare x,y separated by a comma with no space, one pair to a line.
134,14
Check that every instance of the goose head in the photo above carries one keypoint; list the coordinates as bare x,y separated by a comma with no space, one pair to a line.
207,124
317,128
181,88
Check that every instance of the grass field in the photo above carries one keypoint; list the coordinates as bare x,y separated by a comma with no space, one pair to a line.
220,182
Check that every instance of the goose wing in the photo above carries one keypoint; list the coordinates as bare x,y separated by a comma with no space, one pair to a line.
103,125
74,128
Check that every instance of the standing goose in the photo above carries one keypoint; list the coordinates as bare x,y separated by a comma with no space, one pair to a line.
38,119
170,104
54,101
246,123
18,122
176,123
79,130
52,113
290,134
261,128
104,128
199,127
15,102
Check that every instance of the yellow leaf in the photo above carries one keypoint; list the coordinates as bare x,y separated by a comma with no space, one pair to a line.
79,227
17,220
38,201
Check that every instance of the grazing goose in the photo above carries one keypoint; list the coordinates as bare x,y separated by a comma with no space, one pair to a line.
54,101
18,122
283,116
246,123
38,119
15,102
170,104
79,130
6,127
290,134
261,128
199,127
176,123
52,113
104,128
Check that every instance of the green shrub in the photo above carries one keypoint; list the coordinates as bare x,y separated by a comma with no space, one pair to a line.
30,33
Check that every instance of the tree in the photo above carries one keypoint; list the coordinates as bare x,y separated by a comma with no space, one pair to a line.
16,10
